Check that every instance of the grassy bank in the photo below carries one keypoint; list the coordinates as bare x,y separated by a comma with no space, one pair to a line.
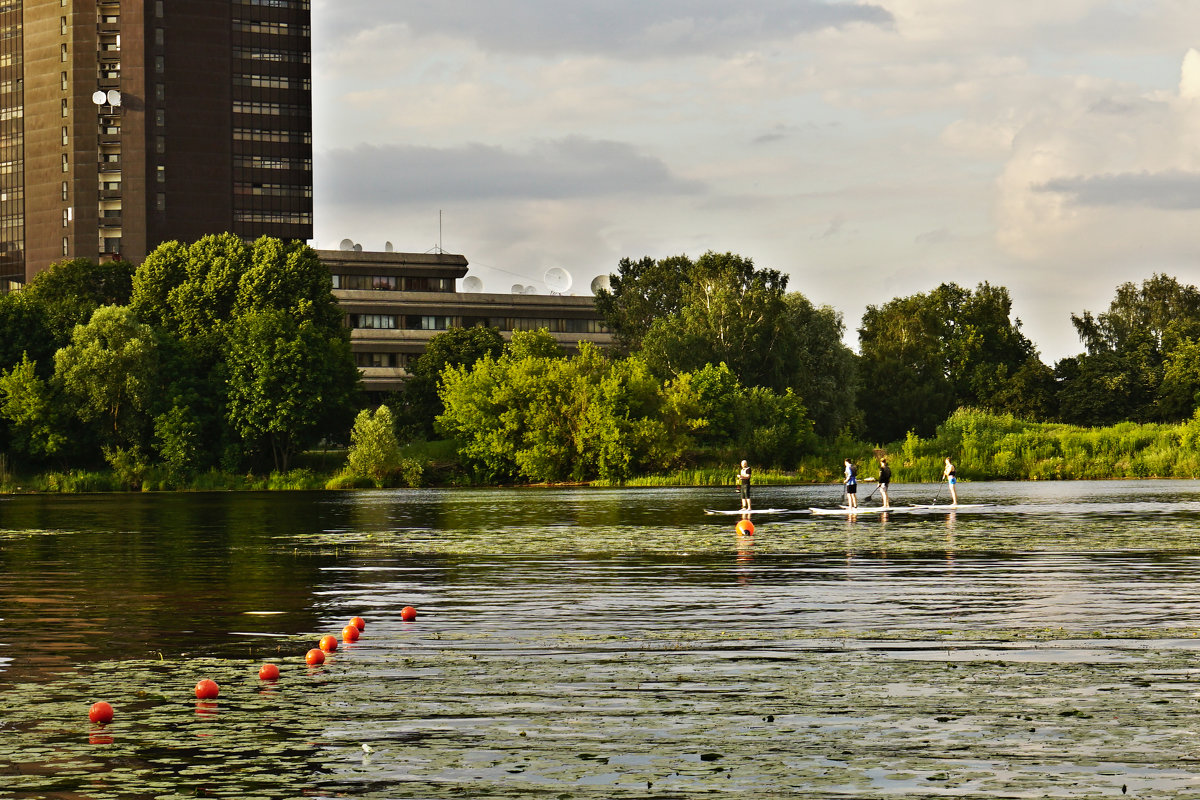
983,446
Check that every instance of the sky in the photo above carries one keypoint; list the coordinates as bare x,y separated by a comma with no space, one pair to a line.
870,150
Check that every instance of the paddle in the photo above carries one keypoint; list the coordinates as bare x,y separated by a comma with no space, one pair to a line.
938,495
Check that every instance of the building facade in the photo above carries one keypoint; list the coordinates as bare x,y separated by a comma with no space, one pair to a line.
126,124
396,302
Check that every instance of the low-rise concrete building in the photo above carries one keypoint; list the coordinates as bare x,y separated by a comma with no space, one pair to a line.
396,302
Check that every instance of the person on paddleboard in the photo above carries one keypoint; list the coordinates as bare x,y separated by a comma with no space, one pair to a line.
743,481
885,479
851,481
948,474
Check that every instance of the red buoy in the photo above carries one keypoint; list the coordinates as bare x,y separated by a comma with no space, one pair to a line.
408,613
268,672
350,634
745,527
315,657
101,713
358,622
207,690
328,643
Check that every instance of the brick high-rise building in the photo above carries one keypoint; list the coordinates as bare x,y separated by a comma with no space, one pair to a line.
126,124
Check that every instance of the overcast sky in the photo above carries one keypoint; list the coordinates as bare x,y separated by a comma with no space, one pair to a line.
870,150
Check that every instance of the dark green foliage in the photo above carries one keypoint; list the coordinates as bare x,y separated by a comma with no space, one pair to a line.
926,354
457,347
69,292
681,315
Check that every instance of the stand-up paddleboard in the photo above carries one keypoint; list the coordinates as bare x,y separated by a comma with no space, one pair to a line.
950,507
846,511
741,511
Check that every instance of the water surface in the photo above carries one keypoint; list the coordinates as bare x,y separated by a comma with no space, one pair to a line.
601,643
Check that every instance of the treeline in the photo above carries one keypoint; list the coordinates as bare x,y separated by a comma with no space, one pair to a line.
220,354
231,357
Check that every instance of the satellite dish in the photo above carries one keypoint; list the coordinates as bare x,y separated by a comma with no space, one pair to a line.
472,284
114,97
557,280
518,289
358,248
530,290
600,282
387,247
347,244
99,97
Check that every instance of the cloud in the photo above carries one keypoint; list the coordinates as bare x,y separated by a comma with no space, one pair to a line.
572,167
629,28
1172,190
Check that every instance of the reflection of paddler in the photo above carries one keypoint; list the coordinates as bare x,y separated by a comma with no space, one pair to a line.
743,481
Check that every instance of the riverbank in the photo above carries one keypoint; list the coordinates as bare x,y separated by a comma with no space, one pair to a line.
985,447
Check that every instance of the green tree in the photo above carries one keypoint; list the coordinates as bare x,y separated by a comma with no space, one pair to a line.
1128,349
69,292
924,355
25,330
36,416
374,450
108,373
289,383
458,347
641,292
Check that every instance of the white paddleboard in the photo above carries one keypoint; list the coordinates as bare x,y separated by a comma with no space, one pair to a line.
741,511
948,507
844,511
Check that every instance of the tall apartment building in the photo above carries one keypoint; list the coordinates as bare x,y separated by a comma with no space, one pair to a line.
126,124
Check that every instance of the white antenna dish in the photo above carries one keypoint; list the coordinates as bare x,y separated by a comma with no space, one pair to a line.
600,282
530,290
357,248
518,289
114,97
347,244
99,97
557,280
472,284
387,247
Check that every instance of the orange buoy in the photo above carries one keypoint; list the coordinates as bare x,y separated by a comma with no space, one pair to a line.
268,672
207,690
350,634
745,527
358,622
408,613
101,713
328,643
315,657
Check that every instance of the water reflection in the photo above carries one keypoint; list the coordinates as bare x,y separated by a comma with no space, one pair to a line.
608,639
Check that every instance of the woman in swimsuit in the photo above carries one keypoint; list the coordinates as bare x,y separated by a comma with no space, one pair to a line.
948,474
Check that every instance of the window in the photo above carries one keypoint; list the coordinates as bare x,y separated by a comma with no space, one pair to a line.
160,117
65,140
160,173
160,144
62,25
66,246
65,162
160,65
373,321
66,216
64,81
160,201
65,111
375,359
159,36
62,53
158,8
64,193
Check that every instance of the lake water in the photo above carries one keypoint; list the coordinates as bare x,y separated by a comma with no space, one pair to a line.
604,643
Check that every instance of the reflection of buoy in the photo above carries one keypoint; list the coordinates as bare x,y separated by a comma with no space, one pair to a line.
350,634
268,672
101,713
408,613
328,643
358,622
315,657
207,690
745,527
